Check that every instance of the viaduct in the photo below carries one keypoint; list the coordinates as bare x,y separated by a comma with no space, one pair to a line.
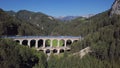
47,44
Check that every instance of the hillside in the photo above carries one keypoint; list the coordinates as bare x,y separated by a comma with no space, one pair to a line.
44,22
11,26
26,23
100,32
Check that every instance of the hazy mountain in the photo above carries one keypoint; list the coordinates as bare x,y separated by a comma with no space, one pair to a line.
88,15
66,18
69,18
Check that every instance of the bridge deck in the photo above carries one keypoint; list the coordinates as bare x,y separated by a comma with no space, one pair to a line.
14,37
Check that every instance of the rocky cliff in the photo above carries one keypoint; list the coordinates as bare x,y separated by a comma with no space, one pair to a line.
115,8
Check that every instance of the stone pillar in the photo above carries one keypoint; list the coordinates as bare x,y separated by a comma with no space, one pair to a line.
51,43
29,43
44,51
43,43
58,51
65,43
20,42
36,44
72,41
58,43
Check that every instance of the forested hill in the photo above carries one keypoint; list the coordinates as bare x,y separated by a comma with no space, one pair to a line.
37,18
100,32
26,23
45,23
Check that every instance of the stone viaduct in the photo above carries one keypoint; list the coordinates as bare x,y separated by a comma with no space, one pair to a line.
45,43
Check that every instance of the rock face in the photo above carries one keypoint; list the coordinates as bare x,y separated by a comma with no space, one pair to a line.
115,7
83,52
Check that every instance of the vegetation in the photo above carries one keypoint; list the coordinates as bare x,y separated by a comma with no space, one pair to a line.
26,23
100,32
54,43
13,55
102,35
44,23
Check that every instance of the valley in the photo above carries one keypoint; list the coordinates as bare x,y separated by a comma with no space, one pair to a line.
97,47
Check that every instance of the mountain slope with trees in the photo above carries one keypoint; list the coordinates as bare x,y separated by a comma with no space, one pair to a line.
44,22
26,23
100,32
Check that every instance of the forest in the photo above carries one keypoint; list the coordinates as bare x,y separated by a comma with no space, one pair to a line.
101,32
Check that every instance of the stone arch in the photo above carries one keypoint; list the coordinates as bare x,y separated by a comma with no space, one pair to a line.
41,50
55,51
55,43
25,42
62,42
40,43
17,41
68,42
47,51
32,43
75,40
61,50
68,50
47,43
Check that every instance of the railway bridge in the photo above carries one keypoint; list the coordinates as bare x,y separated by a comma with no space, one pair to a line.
47,44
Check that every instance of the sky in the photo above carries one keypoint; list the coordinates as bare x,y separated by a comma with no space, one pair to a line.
58,7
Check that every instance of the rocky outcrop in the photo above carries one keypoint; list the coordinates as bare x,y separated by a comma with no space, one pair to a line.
115,8
83,52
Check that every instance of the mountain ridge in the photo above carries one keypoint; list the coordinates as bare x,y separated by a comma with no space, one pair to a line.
69,18
115,9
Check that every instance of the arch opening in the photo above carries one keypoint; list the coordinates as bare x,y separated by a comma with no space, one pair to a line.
47,51
41,50
40,43
54,51
25,42
75,40
62,42
17,41
54,43
61,50
68,42
68,50
32,43
47,43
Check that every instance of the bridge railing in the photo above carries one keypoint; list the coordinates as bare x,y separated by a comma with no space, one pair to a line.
40,36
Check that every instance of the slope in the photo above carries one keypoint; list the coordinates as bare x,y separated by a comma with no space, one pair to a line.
11,26
44,22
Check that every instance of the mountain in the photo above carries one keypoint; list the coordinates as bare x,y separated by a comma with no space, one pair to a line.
26,22
66,18
69,18
12,13
100,32
11,26
88,15
44,22
115,9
